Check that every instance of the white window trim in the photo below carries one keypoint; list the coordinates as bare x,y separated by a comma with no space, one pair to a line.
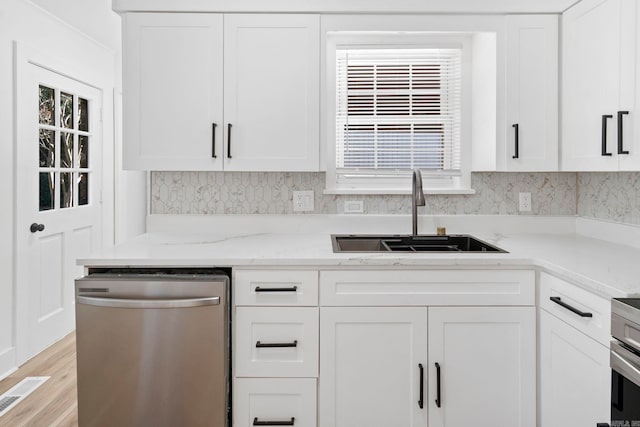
388,39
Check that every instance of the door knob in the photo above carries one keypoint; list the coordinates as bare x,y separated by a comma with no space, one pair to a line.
35,227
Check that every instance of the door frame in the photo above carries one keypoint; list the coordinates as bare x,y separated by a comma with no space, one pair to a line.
88,73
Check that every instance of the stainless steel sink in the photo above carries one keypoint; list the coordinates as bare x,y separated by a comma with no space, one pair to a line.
409,243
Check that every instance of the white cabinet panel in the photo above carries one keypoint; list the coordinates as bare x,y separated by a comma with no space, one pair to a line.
271,98
172,91
427,287
274,399
532,92
487,359
575,378
276,287
369,366
274,342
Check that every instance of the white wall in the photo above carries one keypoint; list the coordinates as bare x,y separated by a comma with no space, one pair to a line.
29,25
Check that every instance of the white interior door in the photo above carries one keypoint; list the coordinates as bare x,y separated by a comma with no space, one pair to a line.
58,187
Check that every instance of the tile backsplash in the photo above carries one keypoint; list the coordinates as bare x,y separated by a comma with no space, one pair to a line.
613,196
223,193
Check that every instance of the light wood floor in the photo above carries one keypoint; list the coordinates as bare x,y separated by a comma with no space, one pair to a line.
54,403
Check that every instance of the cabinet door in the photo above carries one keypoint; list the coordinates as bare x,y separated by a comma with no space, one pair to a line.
575,378
369,366
630,85
591,84
487,363
271,98
532,93
172,91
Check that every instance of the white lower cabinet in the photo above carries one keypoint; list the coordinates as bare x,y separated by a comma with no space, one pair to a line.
378,366
486,358
275,401
370,361
575,377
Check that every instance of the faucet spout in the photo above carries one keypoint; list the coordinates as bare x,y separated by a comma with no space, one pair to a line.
417,198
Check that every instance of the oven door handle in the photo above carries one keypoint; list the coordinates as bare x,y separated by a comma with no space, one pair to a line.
625,362
148,303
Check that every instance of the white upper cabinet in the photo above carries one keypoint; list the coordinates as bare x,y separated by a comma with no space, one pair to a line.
599,86
172,91
531,93
271,92
195,100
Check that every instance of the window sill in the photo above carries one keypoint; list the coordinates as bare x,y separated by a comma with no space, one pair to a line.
396,191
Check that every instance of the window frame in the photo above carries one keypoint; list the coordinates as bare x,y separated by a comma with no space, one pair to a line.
433,182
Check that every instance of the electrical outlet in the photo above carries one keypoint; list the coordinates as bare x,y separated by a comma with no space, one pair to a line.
303,201
525,202
353,206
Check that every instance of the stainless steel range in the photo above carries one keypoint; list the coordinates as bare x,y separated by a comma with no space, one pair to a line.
625,362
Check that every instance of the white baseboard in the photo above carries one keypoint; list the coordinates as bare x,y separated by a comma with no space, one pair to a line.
7,362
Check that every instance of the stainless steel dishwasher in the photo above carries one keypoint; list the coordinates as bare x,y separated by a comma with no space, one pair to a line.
153,347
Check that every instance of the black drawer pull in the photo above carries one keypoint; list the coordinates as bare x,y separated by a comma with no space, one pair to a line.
276,344
213,140
291,289
438,396
421,401
620,135
604,134
229,140
517,141
257,422
558,301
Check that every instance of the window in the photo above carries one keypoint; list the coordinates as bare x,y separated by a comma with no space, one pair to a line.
64,149
397,108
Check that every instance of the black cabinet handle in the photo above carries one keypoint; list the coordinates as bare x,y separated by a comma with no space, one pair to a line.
421,401
558,301
291,289
35,227
257,422
517,141
438,399
229,140
620,135
604,134
276,344
213,140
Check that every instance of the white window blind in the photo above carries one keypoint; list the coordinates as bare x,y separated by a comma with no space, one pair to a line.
397,109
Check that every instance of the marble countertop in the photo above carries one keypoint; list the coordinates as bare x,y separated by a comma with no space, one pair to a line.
604,268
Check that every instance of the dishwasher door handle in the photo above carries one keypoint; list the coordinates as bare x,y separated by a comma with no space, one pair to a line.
148,303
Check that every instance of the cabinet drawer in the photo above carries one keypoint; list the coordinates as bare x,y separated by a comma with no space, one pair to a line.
274,399
598,326
427,287
277,287
276,342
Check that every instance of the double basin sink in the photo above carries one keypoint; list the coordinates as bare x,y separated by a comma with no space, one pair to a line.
409,243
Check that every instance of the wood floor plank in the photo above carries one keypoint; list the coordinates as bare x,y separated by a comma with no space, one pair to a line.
55,402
